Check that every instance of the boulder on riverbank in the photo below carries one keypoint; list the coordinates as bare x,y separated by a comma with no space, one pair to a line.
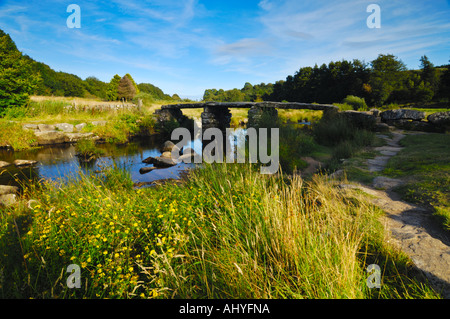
6,189
51,137
402,114
8,200
4,164
440,118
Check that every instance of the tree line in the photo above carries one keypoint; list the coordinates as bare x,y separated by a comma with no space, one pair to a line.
383,81
21,76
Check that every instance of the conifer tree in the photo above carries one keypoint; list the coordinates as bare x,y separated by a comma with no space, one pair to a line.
126,89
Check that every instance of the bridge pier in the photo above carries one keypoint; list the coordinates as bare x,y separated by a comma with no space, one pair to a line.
216,116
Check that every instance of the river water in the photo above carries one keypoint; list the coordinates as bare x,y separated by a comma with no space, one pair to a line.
60,161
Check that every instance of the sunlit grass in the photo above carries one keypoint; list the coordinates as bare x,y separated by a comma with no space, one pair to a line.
227,232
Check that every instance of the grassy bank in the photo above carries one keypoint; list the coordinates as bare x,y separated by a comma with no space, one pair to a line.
424,163
228,232
121,122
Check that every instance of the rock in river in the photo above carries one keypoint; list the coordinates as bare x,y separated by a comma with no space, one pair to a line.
160,161
19,162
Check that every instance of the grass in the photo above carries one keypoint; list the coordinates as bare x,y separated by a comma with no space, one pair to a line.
227,232
87,150
424,163
121,123
12,135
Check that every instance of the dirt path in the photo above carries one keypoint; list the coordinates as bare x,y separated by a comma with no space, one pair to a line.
411,227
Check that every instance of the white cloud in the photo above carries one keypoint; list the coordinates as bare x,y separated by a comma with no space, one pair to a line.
265,5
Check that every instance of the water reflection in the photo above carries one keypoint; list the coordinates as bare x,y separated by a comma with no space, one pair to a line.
60,162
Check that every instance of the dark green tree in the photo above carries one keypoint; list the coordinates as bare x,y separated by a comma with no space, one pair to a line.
386,76
429,74
17,80
111,90
95,87
444,85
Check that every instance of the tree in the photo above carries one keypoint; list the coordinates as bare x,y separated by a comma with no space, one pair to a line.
134,83
385,77
95,87
444,85
429,74
111,90
17,80
126,89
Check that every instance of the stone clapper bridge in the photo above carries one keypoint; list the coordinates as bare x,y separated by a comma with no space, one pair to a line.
217,114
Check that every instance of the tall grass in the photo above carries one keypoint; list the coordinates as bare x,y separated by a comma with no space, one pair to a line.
228,232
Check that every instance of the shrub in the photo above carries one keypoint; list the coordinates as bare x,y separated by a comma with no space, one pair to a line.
331,130
356,102
87,150
343,150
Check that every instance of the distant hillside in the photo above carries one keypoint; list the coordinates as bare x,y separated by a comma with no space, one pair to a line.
50,82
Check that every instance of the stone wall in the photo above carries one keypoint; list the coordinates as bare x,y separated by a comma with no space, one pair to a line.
408,119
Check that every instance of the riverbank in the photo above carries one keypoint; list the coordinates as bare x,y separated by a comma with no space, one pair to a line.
64,120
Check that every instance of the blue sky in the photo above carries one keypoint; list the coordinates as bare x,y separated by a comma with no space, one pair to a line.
188,46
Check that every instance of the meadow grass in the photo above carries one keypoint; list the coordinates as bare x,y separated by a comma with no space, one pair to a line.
11,135
424,162
226,232
121,124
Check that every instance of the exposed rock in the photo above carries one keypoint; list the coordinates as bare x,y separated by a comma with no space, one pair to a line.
166,154
51,137
33,127
402,114
439,118
337,174
381,182
378,163
19,162
5,189
8,200
46,127
414,125
99,123
145,170
160,161
75,137
65,127
4,164
360,119
375,112
80,126
168,146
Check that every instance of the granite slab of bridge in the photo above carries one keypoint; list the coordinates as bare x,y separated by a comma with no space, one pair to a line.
217,114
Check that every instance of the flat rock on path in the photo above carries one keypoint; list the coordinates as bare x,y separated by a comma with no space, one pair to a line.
411,228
